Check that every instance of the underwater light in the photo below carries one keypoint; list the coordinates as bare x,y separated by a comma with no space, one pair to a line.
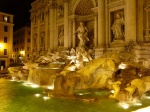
37,95
34,86
124,105
46,98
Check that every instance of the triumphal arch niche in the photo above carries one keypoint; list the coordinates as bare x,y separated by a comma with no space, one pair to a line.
82,14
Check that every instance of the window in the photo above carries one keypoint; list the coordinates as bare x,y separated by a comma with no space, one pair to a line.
5,39
5,51
5,28
28,40
5,18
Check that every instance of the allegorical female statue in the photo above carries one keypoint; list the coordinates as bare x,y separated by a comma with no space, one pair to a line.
61,37
117,28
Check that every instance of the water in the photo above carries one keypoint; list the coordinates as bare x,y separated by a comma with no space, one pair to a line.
16,97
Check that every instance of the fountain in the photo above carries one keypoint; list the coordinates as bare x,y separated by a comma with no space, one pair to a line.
118,72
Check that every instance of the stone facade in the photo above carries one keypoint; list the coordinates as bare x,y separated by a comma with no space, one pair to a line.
48,16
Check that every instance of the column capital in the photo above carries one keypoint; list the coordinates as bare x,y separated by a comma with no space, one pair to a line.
66,1
53,5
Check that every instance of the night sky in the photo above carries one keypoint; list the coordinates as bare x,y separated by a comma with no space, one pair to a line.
18,8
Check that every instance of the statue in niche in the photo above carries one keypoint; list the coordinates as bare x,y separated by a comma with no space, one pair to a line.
60,11
117,27
82,32
61,37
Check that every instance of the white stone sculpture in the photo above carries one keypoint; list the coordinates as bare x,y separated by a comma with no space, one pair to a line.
117,27
61,37
82,32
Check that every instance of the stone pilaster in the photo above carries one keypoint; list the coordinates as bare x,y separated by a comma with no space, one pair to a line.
46,29
73,36
140,20
130,20
38,31
147,30
52,21
95,30
31,49
101,23
66,23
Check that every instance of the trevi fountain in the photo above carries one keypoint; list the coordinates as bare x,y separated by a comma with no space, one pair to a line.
103,67
72,73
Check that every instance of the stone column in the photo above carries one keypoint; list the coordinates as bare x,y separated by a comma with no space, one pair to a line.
31,35
147,35
51,17
38,32
74,35
130,20
46,29
66,24
70,34
140,21
101,23
147,19
55,37
95,31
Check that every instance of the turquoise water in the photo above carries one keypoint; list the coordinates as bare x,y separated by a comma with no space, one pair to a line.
15,97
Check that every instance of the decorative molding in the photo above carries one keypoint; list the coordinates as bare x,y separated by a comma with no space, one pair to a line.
84,8
81,18
66,1
60,21
53,5
95,11
116,4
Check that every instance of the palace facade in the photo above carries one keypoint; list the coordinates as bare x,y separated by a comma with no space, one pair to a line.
110,23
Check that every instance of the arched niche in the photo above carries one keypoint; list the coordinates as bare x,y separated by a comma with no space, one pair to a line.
82,11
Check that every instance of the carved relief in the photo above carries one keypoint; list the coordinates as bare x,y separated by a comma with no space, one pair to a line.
60,11
66,1
116,3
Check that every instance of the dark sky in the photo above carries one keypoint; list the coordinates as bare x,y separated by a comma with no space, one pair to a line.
18,8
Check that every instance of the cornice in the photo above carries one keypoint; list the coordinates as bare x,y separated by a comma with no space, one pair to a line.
66,1
115,4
